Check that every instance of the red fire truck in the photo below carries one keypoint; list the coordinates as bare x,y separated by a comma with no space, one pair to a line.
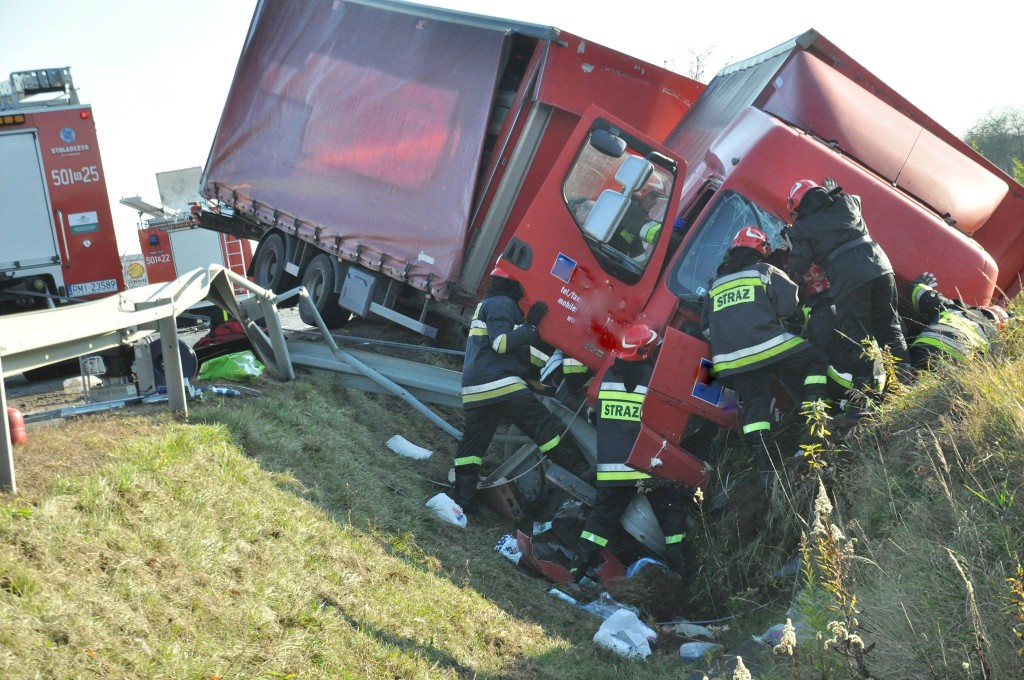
57,232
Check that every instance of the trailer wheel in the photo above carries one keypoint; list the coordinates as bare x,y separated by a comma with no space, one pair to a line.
268,264
319,282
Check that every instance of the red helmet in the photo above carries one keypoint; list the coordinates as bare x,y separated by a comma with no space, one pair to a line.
815,281
998,314
637,342
752,237
501,273
797,193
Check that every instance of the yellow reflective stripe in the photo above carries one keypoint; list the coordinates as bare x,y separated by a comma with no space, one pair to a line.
621,396
964,325
757,427
594,538
477,331
844,379
757,356
816,380
550,444
675,538
915,295
468,460
573,366
619,476
939,344
500,344
649,232
736,283
470,397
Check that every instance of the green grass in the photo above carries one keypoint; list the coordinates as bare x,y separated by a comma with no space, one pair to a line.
278,537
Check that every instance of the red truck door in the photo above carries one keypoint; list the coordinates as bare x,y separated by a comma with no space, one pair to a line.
594,241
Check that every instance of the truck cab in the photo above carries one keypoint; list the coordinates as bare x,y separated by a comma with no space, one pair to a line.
794,112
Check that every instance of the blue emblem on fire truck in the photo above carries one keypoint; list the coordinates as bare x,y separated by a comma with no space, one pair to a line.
67,135
563,268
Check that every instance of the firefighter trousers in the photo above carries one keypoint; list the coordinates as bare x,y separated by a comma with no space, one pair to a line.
525,411
754,389
668,502
867,312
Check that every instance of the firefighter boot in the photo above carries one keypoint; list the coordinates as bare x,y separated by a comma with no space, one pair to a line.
465,491
584,560
675,555
758,448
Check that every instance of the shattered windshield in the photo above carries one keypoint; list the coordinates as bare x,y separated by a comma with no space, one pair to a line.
730,212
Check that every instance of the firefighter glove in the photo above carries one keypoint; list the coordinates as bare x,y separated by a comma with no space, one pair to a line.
927,279
537,311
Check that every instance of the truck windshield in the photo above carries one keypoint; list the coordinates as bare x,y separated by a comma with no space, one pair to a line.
711,237
634,232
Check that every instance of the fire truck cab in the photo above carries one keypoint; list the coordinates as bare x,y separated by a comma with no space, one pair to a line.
57,232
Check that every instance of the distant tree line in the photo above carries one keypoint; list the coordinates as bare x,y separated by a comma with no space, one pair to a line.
999,137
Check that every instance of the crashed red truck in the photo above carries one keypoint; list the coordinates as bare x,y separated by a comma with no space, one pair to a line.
385,153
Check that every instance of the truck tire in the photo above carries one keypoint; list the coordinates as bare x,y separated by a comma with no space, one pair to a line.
268,265
319,282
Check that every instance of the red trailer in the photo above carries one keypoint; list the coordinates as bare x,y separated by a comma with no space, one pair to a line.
57,233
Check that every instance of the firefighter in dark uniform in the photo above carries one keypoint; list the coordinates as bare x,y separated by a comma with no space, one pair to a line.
954,330
743,317
494,381
619,404
829,229
816,323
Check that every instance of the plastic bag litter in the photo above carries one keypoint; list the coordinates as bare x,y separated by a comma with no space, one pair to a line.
236,366
404,447
626,635
692,630
508,547
634,568
695,651
606,605
773,636
447,509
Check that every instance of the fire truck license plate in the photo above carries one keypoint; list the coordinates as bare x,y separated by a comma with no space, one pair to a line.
92,288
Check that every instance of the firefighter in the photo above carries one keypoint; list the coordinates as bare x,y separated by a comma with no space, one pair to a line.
816,323
494,381
743,316
953,330
828,228
619,403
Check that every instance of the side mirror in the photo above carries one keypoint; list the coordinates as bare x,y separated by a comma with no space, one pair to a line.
632,174
607,143
605,216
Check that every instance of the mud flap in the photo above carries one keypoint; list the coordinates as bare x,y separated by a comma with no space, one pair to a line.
655,455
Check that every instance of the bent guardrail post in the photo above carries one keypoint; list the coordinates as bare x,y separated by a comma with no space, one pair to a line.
374,375
6,447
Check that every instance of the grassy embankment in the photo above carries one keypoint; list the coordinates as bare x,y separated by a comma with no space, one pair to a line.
278,537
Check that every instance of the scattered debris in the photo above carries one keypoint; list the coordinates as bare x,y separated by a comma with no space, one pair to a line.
404,447
625,634
695,651
447,509
508,547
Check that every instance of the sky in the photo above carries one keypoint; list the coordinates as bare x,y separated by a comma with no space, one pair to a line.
156,73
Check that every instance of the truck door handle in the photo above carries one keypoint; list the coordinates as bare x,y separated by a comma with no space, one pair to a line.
518,253
64,237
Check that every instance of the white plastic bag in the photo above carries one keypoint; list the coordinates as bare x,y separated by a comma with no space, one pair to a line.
404,447
625,634
695,651
508,547
447,509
